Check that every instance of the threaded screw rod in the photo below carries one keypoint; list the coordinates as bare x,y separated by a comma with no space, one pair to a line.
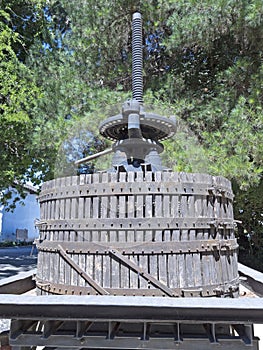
137,65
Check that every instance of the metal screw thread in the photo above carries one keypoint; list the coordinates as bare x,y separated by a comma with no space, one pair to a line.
137,65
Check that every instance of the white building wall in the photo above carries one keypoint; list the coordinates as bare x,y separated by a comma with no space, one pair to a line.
22,217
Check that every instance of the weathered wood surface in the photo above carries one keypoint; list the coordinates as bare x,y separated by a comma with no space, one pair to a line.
179,228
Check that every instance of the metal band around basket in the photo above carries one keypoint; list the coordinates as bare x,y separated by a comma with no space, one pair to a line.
203,291
148,248
138,224
134,188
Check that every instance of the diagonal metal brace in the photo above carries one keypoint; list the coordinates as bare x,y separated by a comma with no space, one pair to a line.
148,277
81,272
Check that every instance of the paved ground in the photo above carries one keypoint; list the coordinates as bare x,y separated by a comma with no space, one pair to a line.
17,259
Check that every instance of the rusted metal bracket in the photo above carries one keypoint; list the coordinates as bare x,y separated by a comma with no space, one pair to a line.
148,277
81,272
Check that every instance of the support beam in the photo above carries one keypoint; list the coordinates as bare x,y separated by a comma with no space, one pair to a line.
89,308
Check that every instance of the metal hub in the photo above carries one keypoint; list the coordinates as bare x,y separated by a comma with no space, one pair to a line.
153,126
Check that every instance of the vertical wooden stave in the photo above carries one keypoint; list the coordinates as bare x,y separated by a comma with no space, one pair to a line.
140,206
149,203
81,207
95,208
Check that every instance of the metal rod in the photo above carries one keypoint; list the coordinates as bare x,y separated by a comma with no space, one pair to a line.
137,65
93,156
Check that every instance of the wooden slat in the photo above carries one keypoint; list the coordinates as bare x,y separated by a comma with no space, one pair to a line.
134,280
162,268
189,268
90,267
46,262
115,273
81,208
183,198
197,271
98,261
141,260
55,206
40,265
183,235
62,273
74,274
181,270
153,266
105,200
140,206
149,205
62,202
82,265
96,211
68,200
198,199
106,271
87,199
158,206
108,267
206,269
54,270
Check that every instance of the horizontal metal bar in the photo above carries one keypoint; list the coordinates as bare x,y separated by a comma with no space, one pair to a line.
93,156
136,188
140,309
105,224
170,247
198,291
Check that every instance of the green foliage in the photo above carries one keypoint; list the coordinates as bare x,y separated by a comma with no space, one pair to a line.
26,19
248,212
217,70
18,96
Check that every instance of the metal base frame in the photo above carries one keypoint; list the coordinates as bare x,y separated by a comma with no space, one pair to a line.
64,334
106,322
